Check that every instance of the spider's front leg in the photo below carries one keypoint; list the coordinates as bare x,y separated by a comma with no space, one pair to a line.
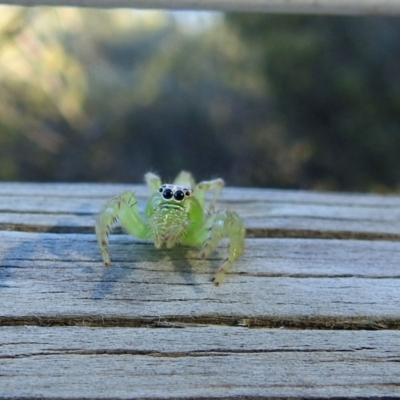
202,187
219,225
121,208
153,182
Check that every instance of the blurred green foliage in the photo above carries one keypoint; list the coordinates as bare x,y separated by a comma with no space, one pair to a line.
335,84
286,101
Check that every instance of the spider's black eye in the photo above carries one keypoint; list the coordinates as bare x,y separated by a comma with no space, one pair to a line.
161,189
179,195
167,194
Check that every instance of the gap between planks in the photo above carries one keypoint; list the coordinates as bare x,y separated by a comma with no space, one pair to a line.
178,322
250,232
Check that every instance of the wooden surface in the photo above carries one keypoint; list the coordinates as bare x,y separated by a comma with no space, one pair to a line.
310,310
334,7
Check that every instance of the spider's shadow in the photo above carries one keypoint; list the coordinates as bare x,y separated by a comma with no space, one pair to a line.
26,250
109,278
179,257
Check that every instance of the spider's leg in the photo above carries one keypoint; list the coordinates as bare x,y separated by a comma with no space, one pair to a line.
202,187
185,179
219,225
124,209
153,182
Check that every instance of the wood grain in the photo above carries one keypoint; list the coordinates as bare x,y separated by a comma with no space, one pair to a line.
286,280
325,312
267,213
194,362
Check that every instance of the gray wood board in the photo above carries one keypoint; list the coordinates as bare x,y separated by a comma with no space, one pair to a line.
323,283
71,328
266,212
194,362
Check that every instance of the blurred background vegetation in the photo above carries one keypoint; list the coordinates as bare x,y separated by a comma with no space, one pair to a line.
283,101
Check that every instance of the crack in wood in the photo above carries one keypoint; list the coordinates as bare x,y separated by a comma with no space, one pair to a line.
320,234
46,212
177,354
250,232
49,228
122,263
306,322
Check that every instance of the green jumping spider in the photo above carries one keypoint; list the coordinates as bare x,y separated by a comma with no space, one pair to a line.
175,213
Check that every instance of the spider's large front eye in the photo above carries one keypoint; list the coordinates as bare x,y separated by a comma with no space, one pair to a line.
179,195
167,194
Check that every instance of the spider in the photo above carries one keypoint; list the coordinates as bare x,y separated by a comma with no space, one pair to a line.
175,214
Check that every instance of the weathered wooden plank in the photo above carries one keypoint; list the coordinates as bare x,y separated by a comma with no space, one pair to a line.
72,208
341,7
325,281
326,303
214,362
58,279
263,226
53,279
104,191
301,258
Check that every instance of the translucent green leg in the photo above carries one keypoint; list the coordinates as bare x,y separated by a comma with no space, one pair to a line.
185,179
123,208
153,182
219,225
202,187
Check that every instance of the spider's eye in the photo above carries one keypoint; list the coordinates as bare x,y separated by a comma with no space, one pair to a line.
167,194
161,189
179,195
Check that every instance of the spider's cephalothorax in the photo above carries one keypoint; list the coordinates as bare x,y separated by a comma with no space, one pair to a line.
175,214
